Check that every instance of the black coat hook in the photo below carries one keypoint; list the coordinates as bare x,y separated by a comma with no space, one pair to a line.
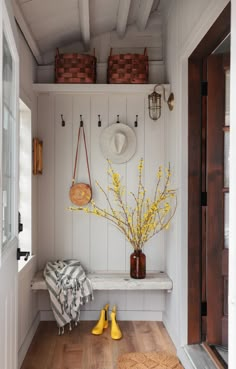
99,121
63,123
81,121
136,121
118,119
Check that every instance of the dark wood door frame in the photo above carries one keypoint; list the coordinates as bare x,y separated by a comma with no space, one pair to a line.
215,183
216,34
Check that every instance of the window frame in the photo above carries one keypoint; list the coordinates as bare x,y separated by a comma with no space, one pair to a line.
7,28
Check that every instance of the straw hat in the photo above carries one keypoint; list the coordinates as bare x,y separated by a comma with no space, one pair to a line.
118,143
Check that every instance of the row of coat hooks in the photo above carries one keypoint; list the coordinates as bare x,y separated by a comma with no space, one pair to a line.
63,123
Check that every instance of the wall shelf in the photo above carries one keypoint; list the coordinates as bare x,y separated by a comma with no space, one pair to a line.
94,88
116,281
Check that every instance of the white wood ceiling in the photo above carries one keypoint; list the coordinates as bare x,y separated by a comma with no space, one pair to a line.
48,24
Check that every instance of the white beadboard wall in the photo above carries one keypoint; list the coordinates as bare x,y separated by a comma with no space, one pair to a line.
93,240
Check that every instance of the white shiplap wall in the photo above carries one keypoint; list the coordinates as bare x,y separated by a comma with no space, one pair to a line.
92,240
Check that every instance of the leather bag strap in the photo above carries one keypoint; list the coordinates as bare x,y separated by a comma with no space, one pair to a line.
81,128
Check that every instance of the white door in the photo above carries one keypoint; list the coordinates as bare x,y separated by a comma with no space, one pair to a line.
9,81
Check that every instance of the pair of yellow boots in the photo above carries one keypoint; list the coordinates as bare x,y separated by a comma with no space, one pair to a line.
103,323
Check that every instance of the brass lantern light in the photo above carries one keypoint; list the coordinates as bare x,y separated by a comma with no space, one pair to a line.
154,102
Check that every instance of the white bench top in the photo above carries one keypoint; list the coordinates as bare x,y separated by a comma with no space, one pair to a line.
116,281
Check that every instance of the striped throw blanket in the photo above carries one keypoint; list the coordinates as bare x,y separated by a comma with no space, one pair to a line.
68,288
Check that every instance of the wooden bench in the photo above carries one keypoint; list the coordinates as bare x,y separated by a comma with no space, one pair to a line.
116,281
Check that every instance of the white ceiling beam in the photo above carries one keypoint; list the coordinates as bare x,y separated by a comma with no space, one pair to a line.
84,21
27,33
122,17
143,14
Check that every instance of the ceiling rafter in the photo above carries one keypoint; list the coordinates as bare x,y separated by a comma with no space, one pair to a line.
84,21
143,14
25,29
122,17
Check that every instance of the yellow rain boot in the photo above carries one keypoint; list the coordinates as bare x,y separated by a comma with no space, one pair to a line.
102,322
106,307
115,329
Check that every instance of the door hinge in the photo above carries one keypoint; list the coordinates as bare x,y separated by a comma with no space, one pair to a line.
204,199
204,308
204,88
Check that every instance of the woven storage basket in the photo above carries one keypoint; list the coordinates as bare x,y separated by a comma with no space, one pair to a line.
75,68
127,68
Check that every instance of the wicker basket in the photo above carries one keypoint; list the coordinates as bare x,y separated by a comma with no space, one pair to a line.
128,68
75,68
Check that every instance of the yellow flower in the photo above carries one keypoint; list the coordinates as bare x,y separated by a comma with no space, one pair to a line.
140,166
167,207
159,173
147,216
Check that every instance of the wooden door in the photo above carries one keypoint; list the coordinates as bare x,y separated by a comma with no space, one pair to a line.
196,292
9,80
217,200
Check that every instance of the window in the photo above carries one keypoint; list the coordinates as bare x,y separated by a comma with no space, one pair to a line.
25,175
8,147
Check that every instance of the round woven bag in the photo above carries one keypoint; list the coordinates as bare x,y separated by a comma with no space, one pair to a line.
80,194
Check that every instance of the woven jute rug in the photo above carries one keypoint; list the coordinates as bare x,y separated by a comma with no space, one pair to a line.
149,360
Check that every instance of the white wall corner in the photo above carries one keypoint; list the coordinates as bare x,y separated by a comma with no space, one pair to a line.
171,330
27,341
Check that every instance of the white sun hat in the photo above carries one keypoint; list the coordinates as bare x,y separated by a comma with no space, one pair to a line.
118,143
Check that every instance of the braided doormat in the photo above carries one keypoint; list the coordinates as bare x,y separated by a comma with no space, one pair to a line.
149,360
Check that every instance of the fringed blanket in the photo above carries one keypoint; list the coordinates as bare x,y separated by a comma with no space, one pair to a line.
68,288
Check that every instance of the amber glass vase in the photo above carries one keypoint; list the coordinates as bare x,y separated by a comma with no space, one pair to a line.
138,264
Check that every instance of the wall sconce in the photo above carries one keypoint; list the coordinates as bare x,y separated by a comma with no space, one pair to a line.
154,102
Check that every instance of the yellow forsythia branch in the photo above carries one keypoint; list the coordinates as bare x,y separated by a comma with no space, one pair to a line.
147,217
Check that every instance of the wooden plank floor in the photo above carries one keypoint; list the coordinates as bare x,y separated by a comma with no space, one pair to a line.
79,349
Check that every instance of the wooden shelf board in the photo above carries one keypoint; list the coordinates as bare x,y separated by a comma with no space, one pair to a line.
116,281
